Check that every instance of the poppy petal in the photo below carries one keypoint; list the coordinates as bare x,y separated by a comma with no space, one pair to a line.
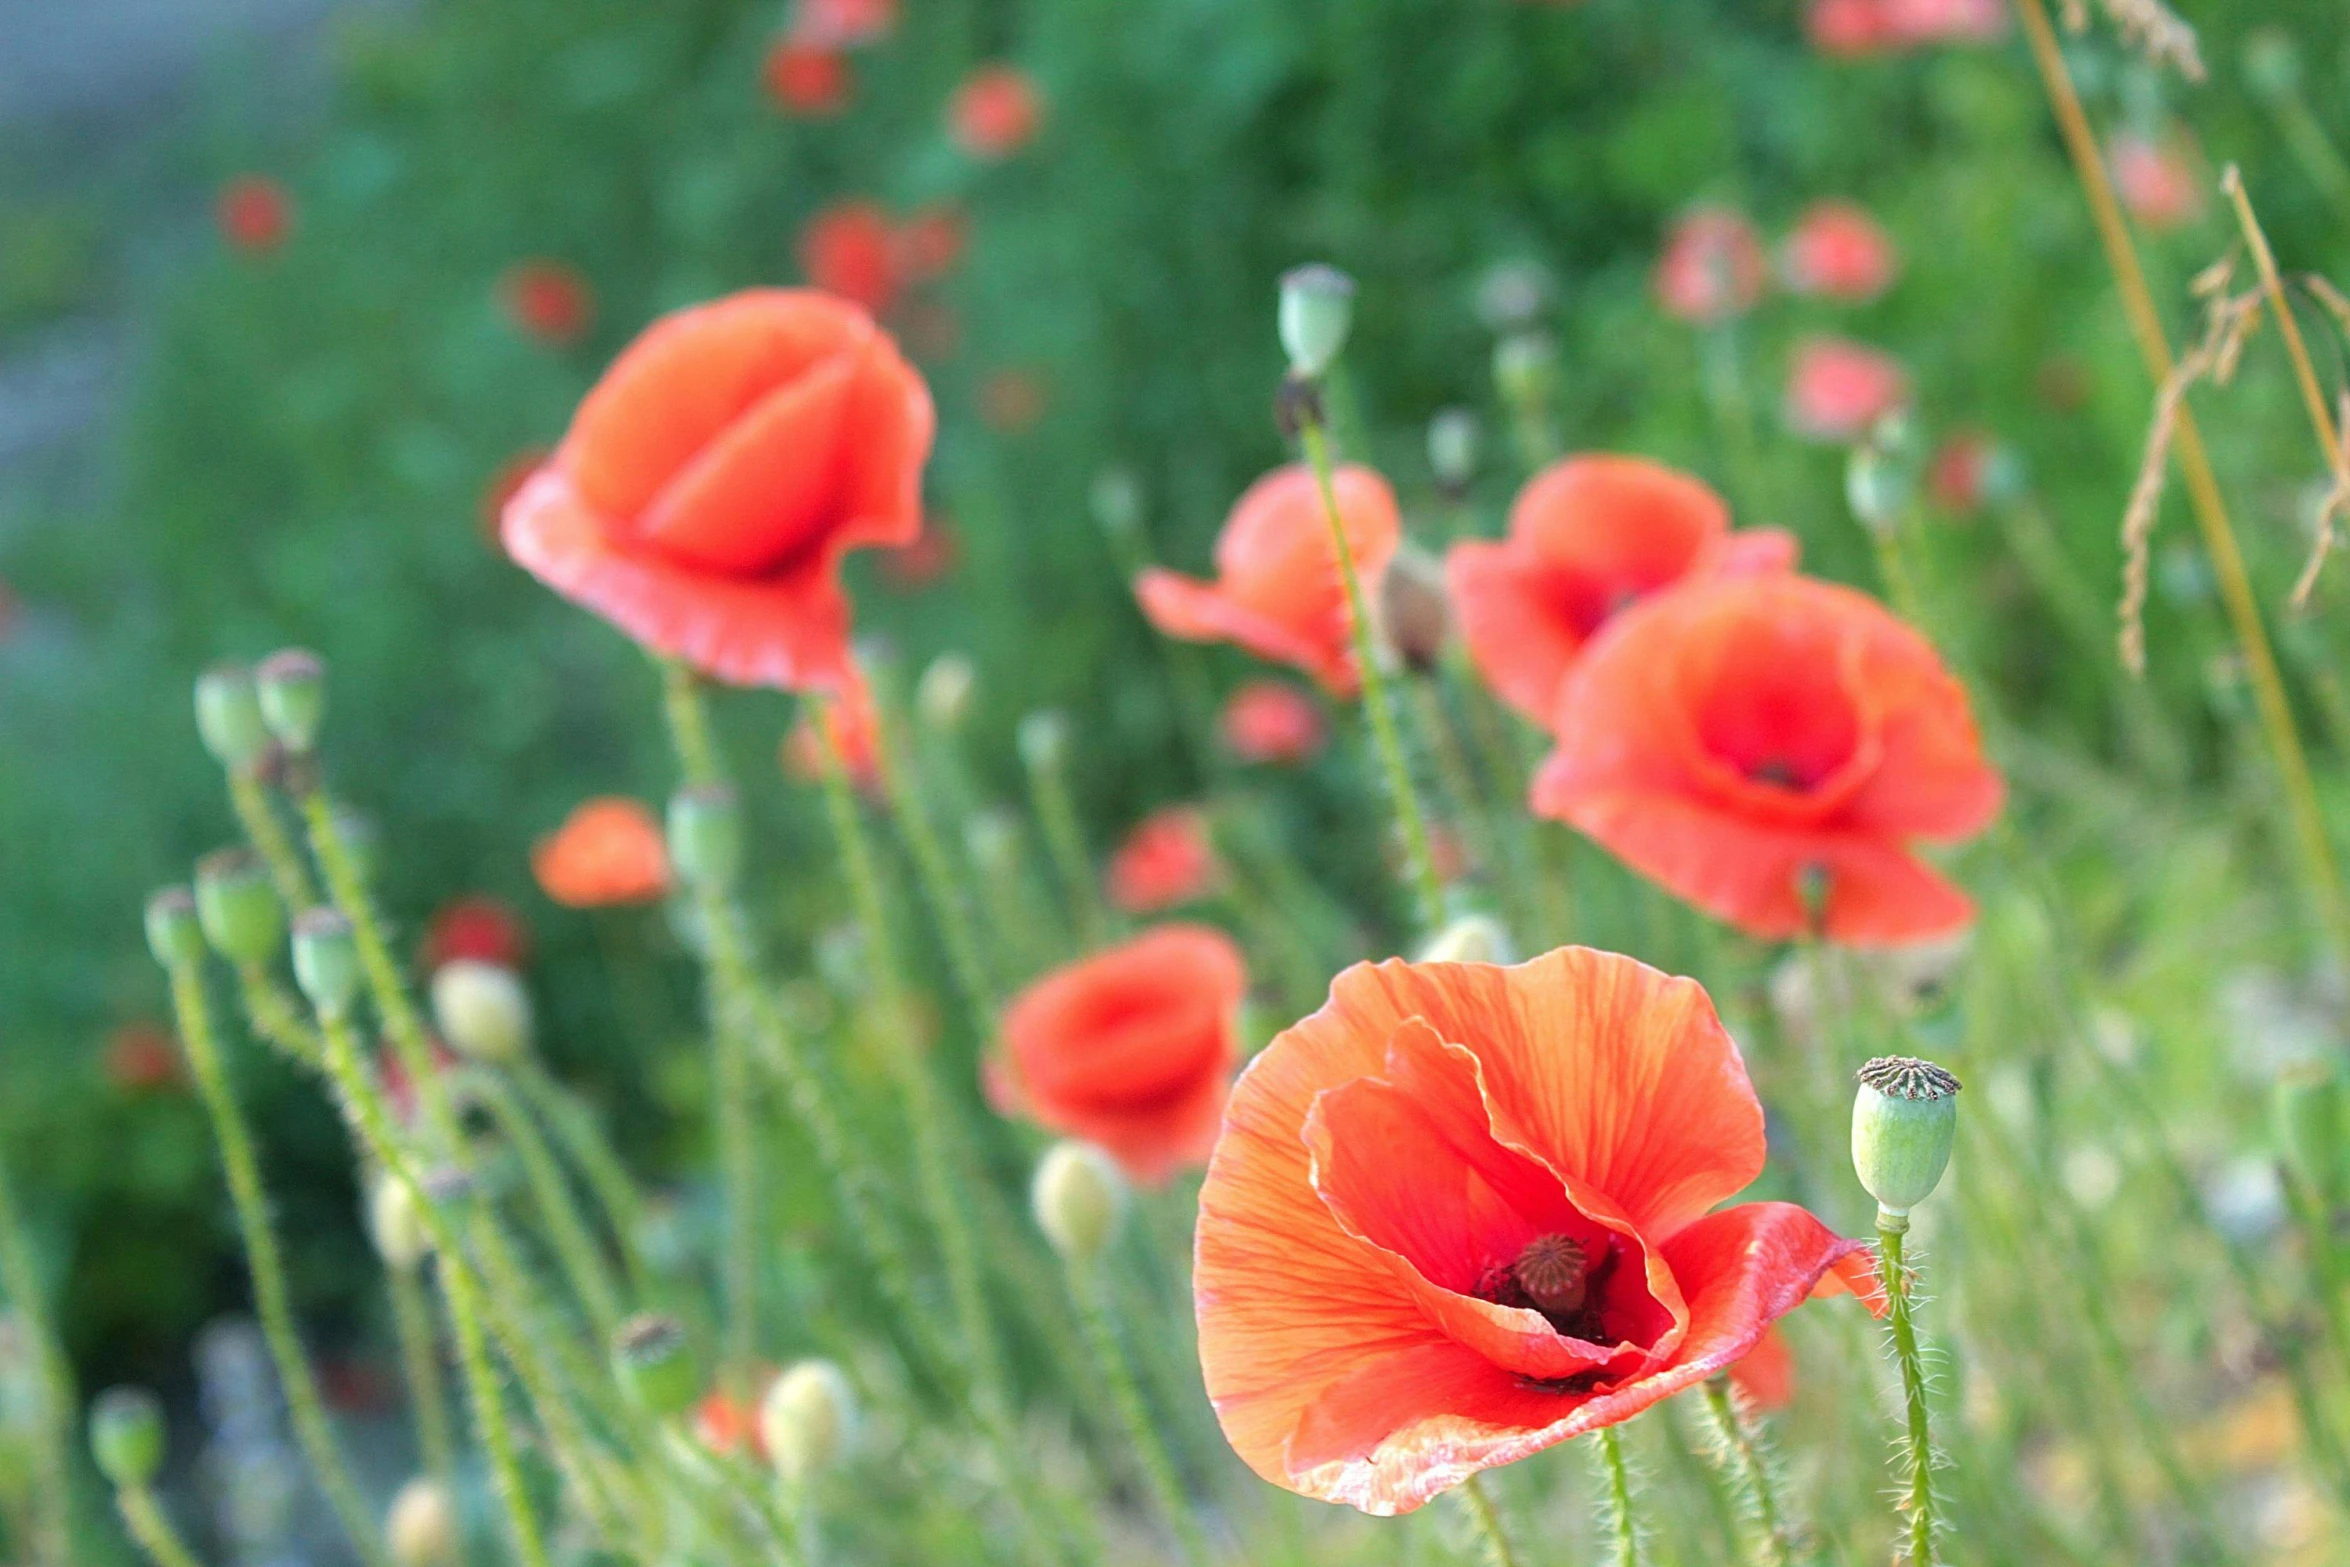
1197,611
1520,646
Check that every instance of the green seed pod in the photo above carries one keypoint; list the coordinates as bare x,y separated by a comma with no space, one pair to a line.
808,1416
1317,309
1473,938
1044,741
1452,448
706,836
1879,486
291,684
1904,1120
237,907
482,1010
326,962
1080,1198
126,1436
395,1225
420,1530
943,695
2309,1111
656,1364
174,934
228,717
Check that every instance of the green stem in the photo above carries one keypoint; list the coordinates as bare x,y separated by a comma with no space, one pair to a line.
1488,1521
270,1295
1743,1457
143,1516
551,1191
257,814
274,1018
420,1363
2317,153
576,1129
1111,1367
20,1278
689,724
1623,1532
948,904
1917,1459
1064,842
1378,701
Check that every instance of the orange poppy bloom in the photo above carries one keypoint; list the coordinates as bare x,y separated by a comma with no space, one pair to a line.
711,482
1461,1214
608,851
1588,536
1169,859
1734,739
1272,721
852,726
1838,389
1839,252
1278,591
549,300
1713,268
850,249
996,112
506,482
725,1425
1131,1049
805,78
255,214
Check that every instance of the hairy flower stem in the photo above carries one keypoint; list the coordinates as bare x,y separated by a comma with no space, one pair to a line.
1111,1368
949,905
1481,1508
1726,395
1378,701
1623,1531
420,1364
20,1282
144,1518
1064,842
1917,1479
257,814
575,1128
274,1018
575,1247
192,1013
2211,512
1739,1453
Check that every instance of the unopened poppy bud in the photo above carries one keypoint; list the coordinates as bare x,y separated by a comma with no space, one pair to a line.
482,1010
1452,449
420,1530
1317,308
808,1416
291,684
228,717
1044,741
1473,938
237,907
395,1225
2309,1116
126,1436
174,934
1879,484
943,694
656,1365
1080,1197
706,836
1115,497
1525,369
1904,1120
2272,64
326,962
1414,611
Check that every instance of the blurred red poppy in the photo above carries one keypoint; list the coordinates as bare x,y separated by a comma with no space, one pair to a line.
804,78
1751,743
1278,592
505,482
1588,536
714,478
727,1425
996,112
1766,1377
1461,1214
1838,389
1131,1049
1011,401
1839,252
933,554
1272,721
1847,29
399,1089
852,727
844,23
1947,21
851,250
475,926
932,240
1713,268
608,851
255,214
2156,180
1960,476
142,1057
1169,859
548,300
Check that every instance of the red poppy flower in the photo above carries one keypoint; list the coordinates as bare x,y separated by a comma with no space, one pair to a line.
711,482
505,483
851,250
995,112
1849,29
852,726
608,851
142,1057
1838,389
1011,401
548,300
1964,471
1272,721
932,554
1587,536
255,214
1734,738
2156,181
1169,858
932,241
399,1089
479,927
1839,252
1132,1048
805,78
1766,1377
1947,21
1278,591
845,23
1460,1215
1713,268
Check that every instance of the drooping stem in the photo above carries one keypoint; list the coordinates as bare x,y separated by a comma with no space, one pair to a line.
257,814
20,1280
1623,1530
143,1516
1378,701
1742,1456
420,1364
1488,1520
1917,1438
1117,1377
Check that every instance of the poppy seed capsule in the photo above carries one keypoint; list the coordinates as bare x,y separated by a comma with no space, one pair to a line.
808,1416
1555,1273
1044,741
1317,308
1080,1197
326,962
943,694
395,1226
126,1436
420,1530
1452,449
482,1010
291,685
1473,938
706,836
237,907
2309,1116
1879,484
1904,1120
228,717
656,1364
174,934
1414,613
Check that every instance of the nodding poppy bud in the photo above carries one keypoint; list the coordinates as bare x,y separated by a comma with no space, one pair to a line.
291,684
943,694
1452,449
420,1530
1525,369
807,1417
126,1436
326,962
656,1365
395,1225
482,1010
1473,938
237,907
1044,741
2309,1116
174,934
2272,64
706,836
1414,612
1116,499
1904,1120
1080,1198
1317,308
228,717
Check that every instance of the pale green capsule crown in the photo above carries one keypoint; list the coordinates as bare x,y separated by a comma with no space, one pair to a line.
1904,1119
237,907
1317,310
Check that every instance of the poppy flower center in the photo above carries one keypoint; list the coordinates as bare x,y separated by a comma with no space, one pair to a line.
1552,1274
1778,715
